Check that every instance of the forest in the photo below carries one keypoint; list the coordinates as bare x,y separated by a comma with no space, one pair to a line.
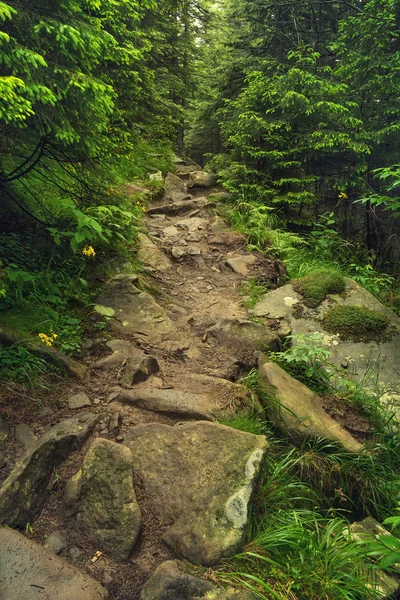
282,120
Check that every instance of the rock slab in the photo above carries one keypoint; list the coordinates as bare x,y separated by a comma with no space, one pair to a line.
23,493
100,501
200,477
298,411
135,364
169,583
29,572
136,312
240,331
151,256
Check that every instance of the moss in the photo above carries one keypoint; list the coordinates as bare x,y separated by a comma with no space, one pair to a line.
356,323
315,288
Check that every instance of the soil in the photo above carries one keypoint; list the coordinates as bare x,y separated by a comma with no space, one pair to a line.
196,291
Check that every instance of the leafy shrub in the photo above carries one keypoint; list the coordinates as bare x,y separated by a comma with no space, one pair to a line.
19,365
315,288
355,323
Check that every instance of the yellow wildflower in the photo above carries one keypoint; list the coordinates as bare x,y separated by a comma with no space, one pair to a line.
48,340
88,251
343,196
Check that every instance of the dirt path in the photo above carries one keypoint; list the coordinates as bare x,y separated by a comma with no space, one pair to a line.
186,257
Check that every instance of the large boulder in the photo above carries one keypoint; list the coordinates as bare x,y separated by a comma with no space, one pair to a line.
174,187
202,179
135,366
170,583
23,493
373,362
151,256
100,501
199,477
298,412
243,332
179,207
136,312
30,572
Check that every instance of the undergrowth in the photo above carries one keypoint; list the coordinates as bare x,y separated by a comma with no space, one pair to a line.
298,541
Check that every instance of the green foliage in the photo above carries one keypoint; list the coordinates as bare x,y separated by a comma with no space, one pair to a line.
315,288
18,365
355,322
307,358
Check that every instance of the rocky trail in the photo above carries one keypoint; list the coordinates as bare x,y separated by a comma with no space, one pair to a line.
118,487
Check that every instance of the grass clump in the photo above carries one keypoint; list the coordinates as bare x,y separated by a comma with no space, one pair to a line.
355,323
315,288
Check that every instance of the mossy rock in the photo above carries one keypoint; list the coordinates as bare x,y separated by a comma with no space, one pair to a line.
315,288
356,323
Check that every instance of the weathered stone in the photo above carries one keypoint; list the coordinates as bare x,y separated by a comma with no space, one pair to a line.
4,430
185,170
240,264
388,586
136,312
56,542
195,397
157,176
137,366
100,501
240,331
25,436
194,236
200,478
202,179
31,572
220,196
227,238
170,231
192,224
152,256
298,411
178,252
115,424
173,185
76,555
180,207
79,400
169,583
373,363
23,493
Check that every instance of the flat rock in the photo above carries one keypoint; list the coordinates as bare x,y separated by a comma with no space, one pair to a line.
180,207
298,412
25,436
100,501
199,477
170,231
151,256
374,363
136,366
386,584
56,542
137,313
79,400
202,179
240,264
170,583
241,331
194,397
23,493
30,572
192,224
